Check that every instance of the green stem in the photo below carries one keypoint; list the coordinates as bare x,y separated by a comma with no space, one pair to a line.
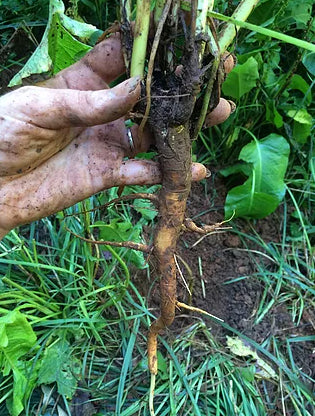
204,6
263,31
125,9
207,97
141,38
228,33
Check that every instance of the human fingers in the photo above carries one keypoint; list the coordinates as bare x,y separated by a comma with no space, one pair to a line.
146,172
39,193
59,108
99,67
134,144
220,113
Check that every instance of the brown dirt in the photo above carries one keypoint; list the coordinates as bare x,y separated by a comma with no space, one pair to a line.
221,257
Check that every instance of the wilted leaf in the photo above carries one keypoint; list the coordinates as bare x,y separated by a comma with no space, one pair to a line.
265,188
59,365
262,369
241,79
58,48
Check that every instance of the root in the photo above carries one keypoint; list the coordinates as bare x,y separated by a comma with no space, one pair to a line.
190,278
151,395
198,310
139,195
182,276
190,226
176,168
128,244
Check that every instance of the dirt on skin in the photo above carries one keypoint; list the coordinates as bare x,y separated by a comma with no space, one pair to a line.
216,260
222,257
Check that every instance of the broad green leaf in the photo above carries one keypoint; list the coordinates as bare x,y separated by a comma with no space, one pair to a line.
301,131
269,157
65,47
162,366
123,231
301,116
265,188
263,12
16,340
24,381
299,83
309,62
38,63
244,201
84,31
241,79
300,11
302,126
60,366
248,373
144,206
241,167
273,115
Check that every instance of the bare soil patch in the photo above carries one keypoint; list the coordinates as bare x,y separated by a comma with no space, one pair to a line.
222,257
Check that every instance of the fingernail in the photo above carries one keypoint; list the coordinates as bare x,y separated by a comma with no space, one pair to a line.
133,83
208,173
233,106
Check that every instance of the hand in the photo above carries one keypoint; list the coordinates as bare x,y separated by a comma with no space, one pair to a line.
65,140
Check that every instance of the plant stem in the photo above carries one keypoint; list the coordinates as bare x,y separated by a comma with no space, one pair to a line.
151,63
175,159
185,5
158,10
229,30
207,98
140,38
151,395
125,9
263,31
201,22
203,7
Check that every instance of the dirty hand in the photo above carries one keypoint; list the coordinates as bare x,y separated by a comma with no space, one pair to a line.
66,139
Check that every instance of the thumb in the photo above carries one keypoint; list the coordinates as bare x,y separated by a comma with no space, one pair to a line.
62,108
146,172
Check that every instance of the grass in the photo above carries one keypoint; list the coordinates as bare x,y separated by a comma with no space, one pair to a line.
67,290
83,301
